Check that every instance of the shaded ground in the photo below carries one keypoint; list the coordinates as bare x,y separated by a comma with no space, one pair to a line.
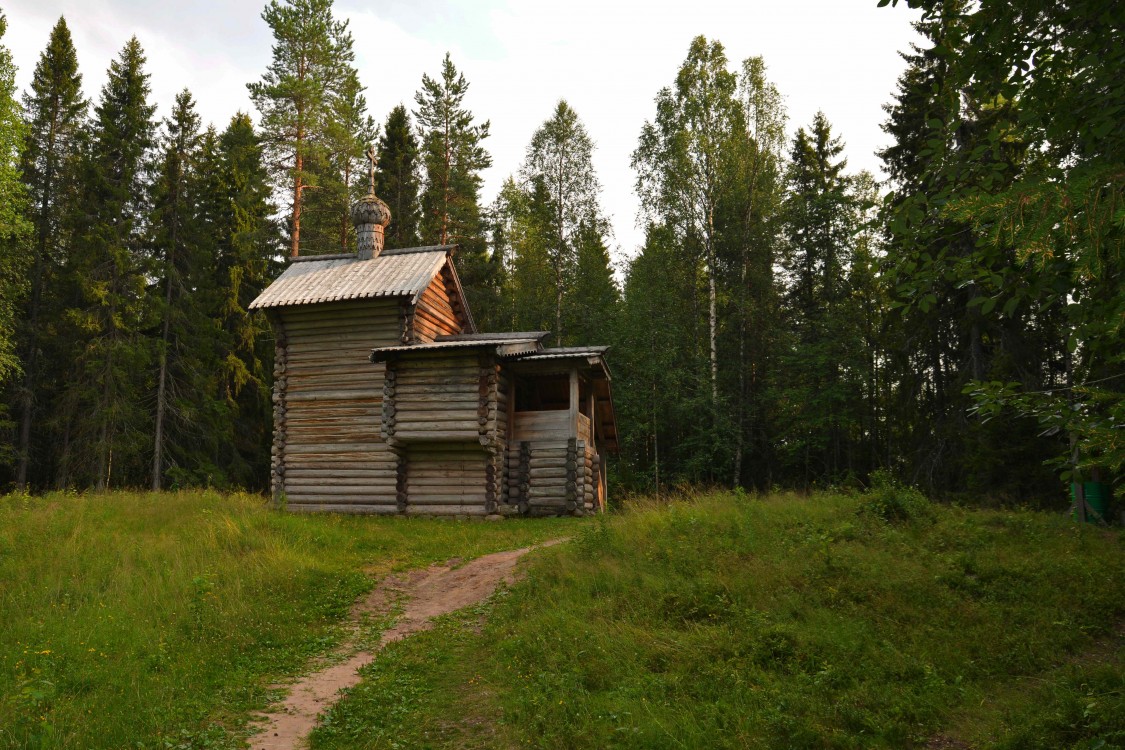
423,594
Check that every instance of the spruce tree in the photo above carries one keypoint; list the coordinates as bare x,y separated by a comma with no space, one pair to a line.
396,179
453,158
238,210
56,112
819,224
14,228
180,299
105,423
594,296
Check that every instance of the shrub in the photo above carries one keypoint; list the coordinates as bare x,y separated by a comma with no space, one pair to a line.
893,501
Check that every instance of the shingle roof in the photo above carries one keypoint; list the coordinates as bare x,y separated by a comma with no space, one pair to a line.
567,352
395,273
503,347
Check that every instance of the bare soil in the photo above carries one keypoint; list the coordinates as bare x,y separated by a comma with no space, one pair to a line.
425,594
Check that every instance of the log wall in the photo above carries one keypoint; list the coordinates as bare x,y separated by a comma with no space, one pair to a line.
329,453
438,311
552,477
446,479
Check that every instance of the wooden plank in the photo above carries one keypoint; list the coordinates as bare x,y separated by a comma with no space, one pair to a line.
386,489
384,498
307,473
303,464
354,509
342,395
446,510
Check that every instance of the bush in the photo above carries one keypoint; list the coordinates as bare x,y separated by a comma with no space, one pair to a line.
893,501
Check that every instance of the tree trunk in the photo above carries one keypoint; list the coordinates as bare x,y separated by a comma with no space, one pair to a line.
295,248
712,313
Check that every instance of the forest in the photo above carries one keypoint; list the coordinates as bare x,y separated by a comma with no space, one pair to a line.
786,323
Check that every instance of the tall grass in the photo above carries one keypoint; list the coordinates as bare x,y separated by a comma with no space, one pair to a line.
160,620
831,621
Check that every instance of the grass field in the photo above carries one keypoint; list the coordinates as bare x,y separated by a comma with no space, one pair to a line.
159,621
785,622
722,620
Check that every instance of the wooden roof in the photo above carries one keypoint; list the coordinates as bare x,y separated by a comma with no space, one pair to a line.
405,272
503,344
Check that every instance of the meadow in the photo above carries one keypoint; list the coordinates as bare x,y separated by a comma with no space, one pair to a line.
138,620
711,620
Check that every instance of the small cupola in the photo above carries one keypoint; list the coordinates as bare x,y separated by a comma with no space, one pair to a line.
370,216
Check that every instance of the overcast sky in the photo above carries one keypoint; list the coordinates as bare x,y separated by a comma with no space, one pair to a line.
607,58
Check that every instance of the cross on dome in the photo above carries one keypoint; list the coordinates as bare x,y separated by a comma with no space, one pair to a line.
374,163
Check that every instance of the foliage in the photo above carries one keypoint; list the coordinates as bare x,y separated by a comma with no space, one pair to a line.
109,270
550,234
14,227
55,112
452,158
314,123
893,501
396,179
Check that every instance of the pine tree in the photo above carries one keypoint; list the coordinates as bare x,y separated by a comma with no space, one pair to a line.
453,158
341,167
295,98
104,420
396,180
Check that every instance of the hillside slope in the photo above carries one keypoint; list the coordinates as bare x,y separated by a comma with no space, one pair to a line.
731,621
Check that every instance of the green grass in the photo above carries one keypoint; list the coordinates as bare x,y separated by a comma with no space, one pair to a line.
132,620
832,621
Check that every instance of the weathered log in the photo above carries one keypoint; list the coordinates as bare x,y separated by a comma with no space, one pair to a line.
360,509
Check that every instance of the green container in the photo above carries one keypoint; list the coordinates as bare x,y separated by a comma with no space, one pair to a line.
1097,498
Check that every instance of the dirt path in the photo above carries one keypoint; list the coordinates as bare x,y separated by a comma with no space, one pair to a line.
425,594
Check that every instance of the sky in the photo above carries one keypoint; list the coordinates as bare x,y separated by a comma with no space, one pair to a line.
607,58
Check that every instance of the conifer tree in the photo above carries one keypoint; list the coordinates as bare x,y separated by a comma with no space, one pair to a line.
594,296
15,236
105,423
181,295
452,159
819,225
295,97
237,212
340,166
396,179
523,225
